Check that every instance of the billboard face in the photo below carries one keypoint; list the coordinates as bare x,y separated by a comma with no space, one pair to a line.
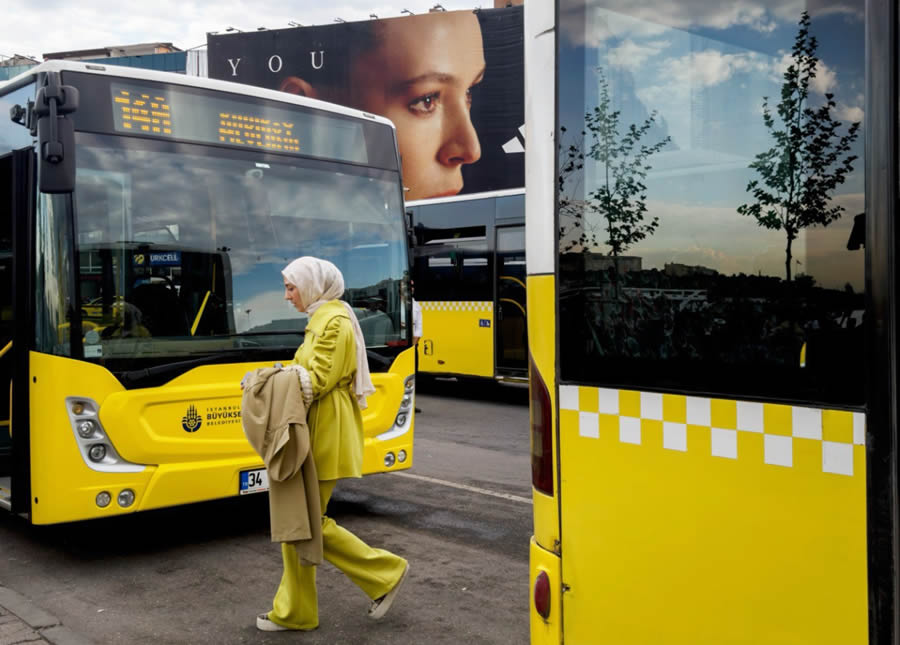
452,83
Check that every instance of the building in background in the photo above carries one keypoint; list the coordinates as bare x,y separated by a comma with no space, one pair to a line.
164,57
14,65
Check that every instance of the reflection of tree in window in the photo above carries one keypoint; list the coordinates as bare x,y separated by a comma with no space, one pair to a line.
810,158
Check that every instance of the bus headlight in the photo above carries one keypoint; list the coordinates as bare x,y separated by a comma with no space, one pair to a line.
103,499
96,447
389,460
86,428
401,456
409,384
401,419
126,498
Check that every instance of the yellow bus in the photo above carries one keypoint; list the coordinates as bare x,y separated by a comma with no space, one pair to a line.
146,217
712,322
469,274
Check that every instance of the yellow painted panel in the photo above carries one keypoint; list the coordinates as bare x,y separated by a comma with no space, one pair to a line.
723,414
587,399
777,418
456,340
630,404
542,350
675,408
741,538
837,425
146,428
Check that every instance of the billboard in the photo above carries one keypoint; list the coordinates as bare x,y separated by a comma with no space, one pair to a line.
451,82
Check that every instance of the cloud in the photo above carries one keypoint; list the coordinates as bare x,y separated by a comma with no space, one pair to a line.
631,56
824,81
641,18
850,113
708,68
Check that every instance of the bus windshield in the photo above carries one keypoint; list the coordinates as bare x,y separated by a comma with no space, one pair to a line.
181,247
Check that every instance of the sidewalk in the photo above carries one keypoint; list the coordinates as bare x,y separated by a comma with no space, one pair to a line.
23,622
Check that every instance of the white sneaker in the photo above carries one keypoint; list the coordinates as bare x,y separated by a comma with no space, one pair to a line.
380,606
264,624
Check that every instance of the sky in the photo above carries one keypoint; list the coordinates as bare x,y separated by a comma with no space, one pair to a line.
34,29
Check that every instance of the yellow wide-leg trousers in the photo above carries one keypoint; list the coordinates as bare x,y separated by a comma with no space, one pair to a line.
375,571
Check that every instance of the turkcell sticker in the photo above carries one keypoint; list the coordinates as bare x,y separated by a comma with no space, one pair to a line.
165,259
484,322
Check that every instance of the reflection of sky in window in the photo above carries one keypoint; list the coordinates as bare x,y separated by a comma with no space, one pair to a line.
705,67
262,214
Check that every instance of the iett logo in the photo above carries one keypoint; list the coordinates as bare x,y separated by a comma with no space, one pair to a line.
191,421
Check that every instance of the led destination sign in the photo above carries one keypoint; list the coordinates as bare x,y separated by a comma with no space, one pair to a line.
171,113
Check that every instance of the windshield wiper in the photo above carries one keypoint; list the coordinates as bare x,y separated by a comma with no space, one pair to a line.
272,332
240,354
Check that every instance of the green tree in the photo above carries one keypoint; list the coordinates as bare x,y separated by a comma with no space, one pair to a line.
809,159
619,200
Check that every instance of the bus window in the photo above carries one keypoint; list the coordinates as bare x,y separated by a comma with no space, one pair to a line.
692,291
455,268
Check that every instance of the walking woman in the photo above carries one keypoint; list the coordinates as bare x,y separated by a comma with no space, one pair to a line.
333,372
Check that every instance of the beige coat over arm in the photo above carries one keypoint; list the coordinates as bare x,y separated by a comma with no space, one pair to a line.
274,419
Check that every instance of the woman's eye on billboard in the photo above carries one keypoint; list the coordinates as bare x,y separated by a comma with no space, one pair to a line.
419,72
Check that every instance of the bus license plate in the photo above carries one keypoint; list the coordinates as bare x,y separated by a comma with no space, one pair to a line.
254,481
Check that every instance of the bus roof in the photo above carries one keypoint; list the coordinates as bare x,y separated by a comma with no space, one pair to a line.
187,81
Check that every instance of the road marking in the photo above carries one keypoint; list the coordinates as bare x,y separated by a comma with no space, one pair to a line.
471,489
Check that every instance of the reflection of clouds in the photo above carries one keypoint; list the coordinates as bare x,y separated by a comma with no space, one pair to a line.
849,113
263,308
643,18
707,68
824,81
631,56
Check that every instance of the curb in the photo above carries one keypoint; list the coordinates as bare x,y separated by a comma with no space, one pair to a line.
47,626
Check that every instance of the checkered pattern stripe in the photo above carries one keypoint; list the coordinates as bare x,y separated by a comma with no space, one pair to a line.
632,414
456,305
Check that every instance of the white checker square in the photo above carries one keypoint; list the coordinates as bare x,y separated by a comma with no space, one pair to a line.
568,397
651,406
609,401
589,424
837,458
675,436
630,430
749,416
724,443
698,411
806,423
859,428
778,450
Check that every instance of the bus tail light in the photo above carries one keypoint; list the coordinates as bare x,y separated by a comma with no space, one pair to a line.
541,432
542,594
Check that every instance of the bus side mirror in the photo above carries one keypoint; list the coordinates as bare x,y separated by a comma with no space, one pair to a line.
56,135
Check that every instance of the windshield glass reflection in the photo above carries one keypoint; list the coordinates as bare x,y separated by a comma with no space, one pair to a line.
182,253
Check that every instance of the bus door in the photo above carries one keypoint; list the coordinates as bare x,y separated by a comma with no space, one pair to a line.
15,174
511,332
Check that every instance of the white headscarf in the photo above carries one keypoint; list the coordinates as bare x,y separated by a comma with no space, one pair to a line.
319,281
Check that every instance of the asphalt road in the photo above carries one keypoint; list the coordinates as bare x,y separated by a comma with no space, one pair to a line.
200,574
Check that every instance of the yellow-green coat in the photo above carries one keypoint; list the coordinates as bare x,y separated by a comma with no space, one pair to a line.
335,424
